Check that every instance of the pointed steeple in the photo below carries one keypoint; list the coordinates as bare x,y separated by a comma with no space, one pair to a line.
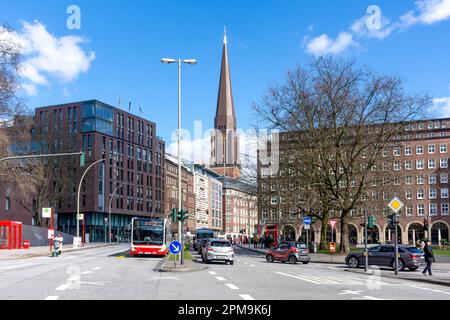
225,116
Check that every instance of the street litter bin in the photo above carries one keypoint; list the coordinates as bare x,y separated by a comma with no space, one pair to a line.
332,247
26,244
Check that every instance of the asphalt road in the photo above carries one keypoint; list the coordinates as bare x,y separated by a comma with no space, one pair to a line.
109,273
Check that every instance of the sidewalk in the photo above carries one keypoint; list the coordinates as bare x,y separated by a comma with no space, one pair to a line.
315,257
189,265
45,251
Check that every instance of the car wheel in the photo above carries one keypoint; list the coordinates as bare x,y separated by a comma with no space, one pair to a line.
231,262
269,258
292,260
413,268
401,265
353,262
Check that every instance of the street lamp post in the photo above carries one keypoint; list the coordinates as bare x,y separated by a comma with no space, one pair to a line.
192,62
79,192
109,208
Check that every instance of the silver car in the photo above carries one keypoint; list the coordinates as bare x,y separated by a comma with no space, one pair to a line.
218,250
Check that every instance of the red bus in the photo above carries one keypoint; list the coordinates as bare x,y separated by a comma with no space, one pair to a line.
150,236
271,230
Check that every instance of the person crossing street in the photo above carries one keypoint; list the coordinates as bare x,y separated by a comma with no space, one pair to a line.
429,258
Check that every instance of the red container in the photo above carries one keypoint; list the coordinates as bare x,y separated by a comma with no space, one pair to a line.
26,244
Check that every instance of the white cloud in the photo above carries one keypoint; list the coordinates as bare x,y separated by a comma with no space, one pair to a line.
323,45
433,11
48,57
30,89
441,107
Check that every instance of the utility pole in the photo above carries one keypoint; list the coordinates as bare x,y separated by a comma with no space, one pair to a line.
366,251
396,244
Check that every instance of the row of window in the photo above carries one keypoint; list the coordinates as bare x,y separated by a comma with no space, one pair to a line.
419,150
432,194
420,164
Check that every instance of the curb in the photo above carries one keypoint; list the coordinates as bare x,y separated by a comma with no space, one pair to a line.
47,254
164,268
425,280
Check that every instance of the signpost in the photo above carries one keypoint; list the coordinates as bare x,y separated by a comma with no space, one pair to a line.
332,243
48,214
396,205
175,249
307,224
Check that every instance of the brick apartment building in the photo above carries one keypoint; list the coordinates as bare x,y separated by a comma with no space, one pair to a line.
416,170
187,189
133,166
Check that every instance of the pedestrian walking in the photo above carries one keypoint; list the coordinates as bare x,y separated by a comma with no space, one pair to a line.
57,243
429,258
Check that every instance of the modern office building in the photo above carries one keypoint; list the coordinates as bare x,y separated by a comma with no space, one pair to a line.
129,182
208,195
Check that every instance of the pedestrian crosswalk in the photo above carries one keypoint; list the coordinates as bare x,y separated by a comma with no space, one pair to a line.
334,279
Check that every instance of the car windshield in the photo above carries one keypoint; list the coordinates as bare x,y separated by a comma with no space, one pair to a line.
220,244
300,245
414,250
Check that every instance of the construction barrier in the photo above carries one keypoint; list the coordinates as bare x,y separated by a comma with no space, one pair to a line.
10,235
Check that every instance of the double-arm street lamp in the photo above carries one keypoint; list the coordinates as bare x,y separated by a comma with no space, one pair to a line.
179,61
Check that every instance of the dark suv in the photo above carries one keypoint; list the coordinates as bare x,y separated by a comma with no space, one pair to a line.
383,255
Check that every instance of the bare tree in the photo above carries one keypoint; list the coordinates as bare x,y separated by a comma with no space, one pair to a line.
340,118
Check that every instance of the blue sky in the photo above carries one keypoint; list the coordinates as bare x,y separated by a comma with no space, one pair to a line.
123,42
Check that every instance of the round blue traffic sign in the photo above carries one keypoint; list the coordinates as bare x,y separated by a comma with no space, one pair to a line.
307,220
175,247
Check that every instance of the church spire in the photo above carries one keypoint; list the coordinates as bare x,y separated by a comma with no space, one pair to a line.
225,116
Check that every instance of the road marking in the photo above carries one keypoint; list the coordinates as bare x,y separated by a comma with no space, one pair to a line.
70,257
343,292
18,266
300,278
231,286
96,268
239,260
252,265
63,287
246,297
86,272
220,278
368,298
245,262
212,272
52,298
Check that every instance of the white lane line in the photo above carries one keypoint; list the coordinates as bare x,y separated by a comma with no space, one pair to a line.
86,272
52,298
70,257
220,278
367,298
96,269
231,286
212,272
300,278
63,287
18,266
245,262
239,260
252,265
246,297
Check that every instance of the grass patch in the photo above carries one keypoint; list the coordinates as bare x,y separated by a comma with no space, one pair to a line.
187,256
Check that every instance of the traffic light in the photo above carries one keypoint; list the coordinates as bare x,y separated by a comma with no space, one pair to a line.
183,215
392,219
174,215
370,222
82,160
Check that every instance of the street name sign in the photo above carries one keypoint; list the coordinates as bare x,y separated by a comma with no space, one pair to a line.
175,247
396,205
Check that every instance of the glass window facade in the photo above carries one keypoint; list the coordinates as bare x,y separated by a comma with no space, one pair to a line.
97,117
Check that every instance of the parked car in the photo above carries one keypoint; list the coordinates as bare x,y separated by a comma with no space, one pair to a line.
289,251
202,245
218,250
383,255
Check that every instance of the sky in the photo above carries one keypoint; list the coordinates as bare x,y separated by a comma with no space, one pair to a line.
112,50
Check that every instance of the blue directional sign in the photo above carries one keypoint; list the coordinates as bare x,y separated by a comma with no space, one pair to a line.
307,220
175,247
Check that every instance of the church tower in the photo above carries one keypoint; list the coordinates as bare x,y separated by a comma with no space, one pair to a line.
224,141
